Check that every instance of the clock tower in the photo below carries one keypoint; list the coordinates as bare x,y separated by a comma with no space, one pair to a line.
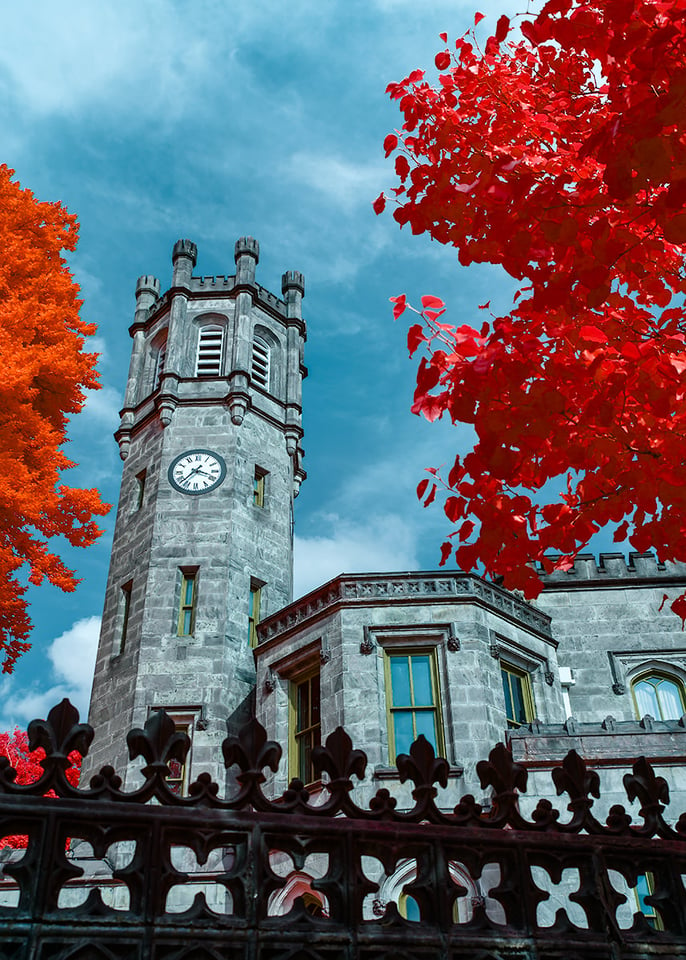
210,437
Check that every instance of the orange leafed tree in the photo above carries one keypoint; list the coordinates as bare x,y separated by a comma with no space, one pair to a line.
559,153
44,374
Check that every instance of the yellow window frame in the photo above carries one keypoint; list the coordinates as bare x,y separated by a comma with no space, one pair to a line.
435,706
254,603
509,670
258,487
657,675
187,608
296,736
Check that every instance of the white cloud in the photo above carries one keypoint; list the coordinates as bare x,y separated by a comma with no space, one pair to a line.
48,62
381,543
72,655
103,405
344,183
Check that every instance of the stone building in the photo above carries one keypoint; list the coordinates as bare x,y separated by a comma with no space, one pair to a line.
199,617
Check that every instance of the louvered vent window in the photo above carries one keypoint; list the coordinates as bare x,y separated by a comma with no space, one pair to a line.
260,362
210,346
159,364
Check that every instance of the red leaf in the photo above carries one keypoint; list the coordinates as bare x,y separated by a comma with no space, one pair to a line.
466,530
453,508
620,532
502,28
379,204
431,497
402,167
478,17
679,608
390,143
415,336
400,305
446,550
443,37
432,303
442,60
593,334
485,306
421,488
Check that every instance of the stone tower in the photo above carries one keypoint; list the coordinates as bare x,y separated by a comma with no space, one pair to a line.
210,437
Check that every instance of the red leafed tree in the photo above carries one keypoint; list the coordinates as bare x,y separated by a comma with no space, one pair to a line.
557,151
26,762
44,374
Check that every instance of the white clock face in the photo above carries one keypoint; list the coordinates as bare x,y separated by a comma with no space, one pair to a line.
197,471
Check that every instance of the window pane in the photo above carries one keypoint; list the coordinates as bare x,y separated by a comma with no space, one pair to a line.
187,617
517,688
404,735
646,699
188,598
669,700
421,681
409,908
509,708
303,706
314,699
400,681
425,721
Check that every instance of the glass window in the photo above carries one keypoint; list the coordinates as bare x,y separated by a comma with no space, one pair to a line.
519,701
412,699
187,604
658,695
210,349
645,886
260,362
254,602
306,726
177,781
258,487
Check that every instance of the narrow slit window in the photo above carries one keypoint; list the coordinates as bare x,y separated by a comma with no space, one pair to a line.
187,604
125,607
258,484
140,490
254,602
210,351
260,362
160,358
305,726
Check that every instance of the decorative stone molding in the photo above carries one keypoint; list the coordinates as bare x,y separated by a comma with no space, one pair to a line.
408,588
367,645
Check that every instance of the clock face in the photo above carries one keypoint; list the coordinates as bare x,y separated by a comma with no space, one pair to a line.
197,471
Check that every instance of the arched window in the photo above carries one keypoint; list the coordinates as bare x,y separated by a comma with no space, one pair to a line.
658,695
160,357
260,362
210,351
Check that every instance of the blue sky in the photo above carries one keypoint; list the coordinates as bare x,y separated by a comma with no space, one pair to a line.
158,120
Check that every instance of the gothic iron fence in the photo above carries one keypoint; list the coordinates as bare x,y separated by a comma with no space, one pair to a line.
246,829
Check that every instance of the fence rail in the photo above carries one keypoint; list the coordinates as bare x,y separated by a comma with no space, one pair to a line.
238,845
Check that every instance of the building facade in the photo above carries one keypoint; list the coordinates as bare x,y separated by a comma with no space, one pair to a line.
199,617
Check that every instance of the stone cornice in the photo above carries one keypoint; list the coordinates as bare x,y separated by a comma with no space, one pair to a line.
364,590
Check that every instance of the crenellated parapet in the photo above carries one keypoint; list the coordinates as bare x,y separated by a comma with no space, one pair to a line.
614,568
